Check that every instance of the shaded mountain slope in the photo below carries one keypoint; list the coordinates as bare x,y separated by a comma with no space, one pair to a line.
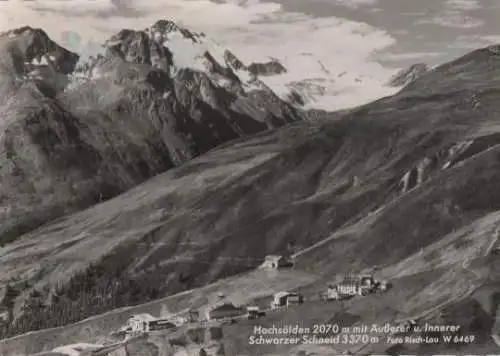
74,135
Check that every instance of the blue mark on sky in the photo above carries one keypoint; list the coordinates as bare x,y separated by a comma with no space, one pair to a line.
74,42
71,39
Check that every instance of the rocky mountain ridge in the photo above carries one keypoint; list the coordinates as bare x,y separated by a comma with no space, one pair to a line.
271,67
408,75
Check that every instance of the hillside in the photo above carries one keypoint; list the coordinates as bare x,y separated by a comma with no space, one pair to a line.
406,187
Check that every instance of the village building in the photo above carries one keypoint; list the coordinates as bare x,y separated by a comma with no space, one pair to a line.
179,319
139,323
349,286
294,298
285,299
279,299
383,286
143,323
223,311
160,324
332,292
4,314
277,261
193,316
355,285
254,312
367,280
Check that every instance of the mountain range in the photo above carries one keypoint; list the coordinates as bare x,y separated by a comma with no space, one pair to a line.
158,176
75,134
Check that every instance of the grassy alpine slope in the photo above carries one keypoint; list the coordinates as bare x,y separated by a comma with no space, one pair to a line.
407,186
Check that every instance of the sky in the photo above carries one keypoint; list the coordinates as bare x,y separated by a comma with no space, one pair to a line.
430,31
366,38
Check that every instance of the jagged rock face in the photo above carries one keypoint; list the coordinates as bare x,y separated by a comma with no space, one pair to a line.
30,48
162,27
234,61
447,158
132,46
272,67
295,97
120,118
29,53
429,166
408,75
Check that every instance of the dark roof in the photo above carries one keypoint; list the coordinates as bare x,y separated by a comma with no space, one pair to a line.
273,257
162,322
351,279
225,306
349,284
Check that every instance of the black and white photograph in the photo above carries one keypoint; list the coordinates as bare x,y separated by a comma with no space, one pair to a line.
249,177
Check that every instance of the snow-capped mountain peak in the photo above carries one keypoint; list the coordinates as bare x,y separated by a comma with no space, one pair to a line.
161,30
309,82
171,47
304,79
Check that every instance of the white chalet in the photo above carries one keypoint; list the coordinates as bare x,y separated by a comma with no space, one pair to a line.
4,314
279,299
276,261
143,323
355,285
140,322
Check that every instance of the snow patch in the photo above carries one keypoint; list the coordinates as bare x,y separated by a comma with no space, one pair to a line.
249,81
186,53
42,60
198,52
215,50
222,82
244,76
189,53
